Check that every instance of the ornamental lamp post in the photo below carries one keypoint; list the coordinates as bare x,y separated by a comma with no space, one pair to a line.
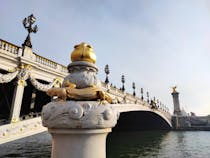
134,87
27,23
158,103
123,81
142,91
106,69
148,97
154,101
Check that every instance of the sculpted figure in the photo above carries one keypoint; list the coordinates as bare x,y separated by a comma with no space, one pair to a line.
71,92
59,92
82,83
174,88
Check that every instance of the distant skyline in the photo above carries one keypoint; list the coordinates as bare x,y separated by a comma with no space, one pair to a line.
156,44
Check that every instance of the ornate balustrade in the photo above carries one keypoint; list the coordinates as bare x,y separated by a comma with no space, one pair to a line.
21,129
9,47
30,116
130,99
50,63
46,61
64,69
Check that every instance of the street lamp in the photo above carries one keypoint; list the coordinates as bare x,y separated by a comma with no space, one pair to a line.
123,81
142,92
27,23
106,69
148,97
134,87
154,99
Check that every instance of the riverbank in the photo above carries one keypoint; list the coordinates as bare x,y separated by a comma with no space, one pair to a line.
193,128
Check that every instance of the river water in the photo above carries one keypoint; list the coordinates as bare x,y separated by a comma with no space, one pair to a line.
146,144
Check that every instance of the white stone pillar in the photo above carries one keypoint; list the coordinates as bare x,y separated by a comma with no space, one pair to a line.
177,110
76,143
17,101
78,128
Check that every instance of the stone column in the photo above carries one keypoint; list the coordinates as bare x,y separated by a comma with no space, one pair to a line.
22,76
78,128
177,110
79,143
17,101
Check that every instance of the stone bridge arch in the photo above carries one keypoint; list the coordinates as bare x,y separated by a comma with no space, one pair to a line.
141,117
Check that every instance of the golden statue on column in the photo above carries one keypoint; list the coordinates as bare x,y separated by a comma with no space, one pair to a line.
81,83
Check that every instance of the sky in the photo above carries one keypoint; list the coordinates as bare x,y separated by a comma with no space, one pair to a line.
156,44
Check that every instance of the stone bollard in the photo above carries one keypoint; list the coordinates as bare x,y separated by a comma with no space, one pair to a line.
78,128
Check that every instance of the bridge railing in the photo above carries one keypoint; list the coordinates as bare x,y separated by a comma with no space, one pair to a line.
49,63
9,47
30,116
46,61
124,97
21,129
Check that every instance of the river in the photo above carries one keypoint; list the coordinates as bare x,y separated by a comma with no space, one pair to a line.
144,144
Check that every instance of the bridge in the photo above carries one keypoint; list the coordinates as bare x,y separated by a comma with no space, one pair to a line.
25,77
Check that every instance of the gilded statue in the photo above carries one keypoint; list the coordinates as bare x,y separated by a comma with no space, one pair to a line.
81,84
83,52
70,91
174,89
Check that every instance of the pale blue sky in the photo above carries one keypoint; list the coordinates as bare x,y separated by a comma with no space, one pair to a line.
154,43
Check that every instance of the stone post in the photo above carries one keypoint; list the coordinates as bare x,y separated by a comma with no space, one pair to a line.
78,128
177,110
28,53
17,101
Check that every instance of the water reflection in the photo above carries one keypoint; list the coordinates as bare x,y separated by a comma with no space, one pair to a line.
187,144
37,146
134,144
181,141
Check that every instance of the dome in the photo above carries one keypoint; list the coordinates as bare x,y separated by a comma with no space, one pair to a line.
83,52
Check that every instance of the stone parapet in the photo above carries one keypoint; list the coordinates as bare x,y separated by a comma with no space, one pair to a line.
21,129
